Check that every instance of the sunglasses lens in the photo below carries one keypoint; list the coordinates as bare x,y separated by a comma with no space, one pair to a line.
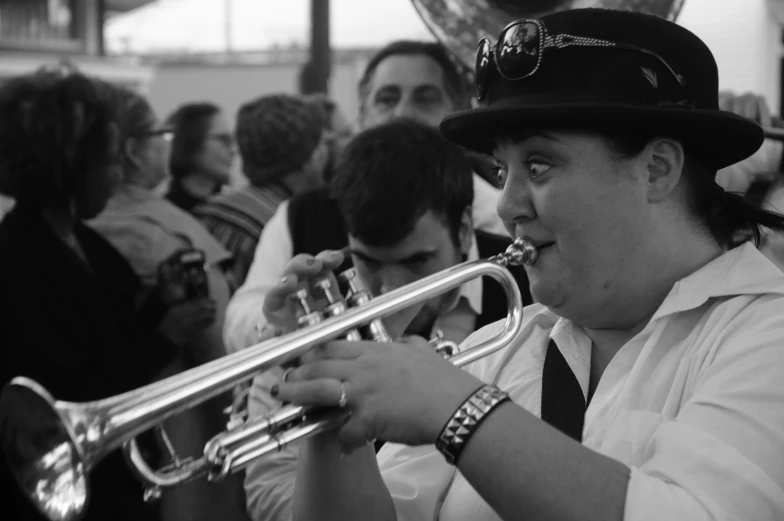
482,68
518,50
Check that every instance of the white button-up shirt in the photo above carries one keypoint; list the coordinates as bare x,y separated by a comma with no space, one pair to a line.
694,404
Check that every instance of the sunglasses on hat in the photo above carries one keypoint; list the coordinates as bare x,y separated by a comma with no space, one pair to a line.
521,45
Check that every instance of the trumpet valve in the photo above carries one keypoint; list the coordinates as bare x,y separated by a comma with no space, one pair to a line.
359,296
309,317
335,307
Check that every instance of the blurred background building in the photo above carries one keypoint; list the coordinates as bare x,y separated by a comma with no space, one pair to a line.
229,51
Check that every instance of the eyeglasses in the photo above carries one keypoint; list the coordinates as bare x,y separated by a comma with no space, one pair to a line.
166,133
521,45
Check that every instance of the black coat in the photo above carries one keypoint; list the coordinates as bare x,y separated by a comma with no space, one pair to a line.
77,332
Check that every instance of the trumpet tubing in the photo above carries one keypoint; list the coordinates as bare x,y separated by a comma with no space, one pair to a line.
52,445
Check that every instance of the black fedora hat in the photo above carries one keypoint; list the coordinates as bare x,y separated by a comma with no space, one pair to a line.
616,72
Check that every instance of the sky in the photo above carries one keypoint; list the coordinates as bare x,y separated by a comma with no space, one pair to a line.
200,25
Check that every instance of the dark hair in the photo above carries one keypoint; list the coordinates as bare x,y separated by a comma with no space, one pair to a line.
56,126
190,123
389,176
727,215
134,113
326,105
455,81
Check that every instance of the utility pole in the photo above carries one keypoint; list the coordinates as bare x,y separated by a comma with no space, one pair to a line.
227,25
314,76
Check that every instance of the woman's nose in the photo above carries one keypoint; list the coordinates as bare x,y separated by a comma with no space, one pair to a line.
515,204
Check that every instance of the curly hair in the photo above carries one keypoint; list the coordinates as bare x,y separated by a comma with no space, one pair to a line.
55,127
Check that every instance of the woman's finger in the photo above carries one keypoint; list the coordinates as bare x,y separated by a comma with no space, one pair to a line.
324,392
345,349
330,369
338,349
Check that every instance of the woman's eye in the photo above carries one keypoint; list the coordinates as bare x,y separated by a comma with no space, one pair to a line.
500,173
536,169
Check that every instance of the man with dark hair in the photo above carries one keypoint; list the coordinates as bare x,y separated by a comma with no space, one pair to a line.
406,79
404,195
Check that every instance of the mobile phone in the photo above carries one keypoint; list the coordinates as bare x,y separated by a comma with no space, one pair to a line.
192,266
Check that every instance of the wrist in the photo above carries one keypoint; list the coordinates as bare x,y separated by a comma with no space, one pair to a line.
461,386
467,419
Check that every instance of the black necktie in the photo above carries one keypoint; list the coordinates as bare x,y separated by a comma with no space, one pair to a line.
563,405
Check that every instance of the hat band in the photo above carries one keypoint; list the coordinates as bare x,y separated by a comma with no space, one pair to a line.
520,49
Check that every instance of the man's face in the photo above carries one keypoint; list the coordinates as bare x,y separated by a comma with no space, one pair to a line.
428,249
406,86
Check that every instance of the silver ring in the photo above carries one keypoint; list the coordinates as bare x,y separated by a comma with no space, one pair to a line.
286,374
343,399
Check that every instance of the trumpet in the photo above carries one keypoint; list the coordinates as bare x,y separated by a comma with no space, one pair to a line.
52,445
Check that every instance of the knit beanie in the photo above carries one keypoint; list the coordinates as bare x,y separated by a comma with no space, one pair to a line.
276,135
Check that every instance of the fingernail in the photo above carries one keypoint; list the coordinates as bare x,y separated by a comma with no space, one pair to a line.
284,279
334,255
274,390
310,262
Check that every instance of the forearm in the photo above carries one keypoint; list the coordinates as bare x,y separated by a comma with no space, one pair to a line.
330,487
526,469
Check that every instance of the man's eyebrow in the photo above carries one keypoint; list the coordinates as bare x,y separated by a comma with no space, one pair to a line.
413,257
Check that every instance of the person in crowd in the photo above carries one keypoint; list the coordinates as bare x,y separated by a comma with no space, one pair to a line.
768,193
75,318
152,234
404,194
284,151
740,176
337,127
405,79
202,154
147,228
772,244
646,379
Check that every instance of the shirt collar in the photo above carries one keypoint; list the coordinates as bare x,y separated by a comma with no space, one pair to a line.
740,271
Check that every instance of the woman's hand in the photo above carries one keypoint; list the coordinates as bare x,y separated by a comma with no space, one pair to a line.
302,272
399,392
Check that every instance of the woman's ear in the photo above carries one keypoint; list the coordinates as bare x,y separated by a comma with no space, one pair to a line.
131,151
466,231
666,160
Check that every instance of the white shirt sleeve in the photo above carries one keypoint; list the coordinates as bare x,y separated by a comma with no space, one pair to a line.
270,480
721,458
274,251
485,205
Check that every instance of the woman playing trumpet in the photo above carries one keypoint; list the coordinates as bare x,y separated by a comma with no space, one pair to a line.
653,354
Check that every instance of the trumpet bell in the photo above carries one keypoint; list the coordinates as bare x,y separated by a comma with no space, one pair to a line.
41,451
